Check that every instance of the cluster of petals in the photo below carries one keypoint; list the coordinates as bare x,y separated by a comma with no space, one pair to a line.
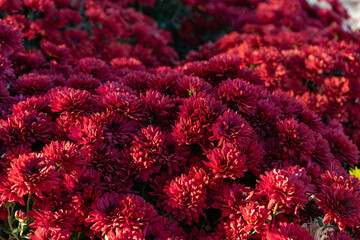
106,134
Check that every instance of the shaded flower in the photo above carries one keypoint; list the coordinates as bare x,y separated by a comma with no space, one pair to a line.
11,37
232,128
340,205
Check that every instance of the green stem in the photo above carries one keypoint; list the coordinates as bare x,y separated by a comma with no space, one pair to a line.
10,220
78,236
28,204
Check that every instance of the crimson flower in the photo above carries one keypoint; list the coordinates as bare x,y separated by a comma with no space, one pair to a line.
227,162
185,197
287,188
33,174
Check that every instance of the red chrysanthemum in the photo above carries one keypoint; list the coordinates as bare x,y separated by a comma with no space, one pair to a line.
230,198
188,86
118,129
53,217
288,231
72,101
232,128
118,211
25,128
6,71
36,103
64,154
288,188
341,147
295,138
173,155
146,151
95,67
83,81
233,228
31,84
33,174
340,204
40,5
256,216
220,68
185,197
11,37
126,103
227,162
43,233
87,131
158,107
239,94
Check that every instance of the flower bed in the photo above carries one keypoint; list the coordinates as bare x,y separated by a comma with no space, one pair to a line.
106,133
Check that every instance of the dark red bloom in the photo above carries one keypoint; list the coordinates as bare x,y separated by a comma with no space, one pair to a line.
288,231
71,100
26,128
220,68
287,188
47,232
185,197
121,211
31,84
340,205
64,154
95,67
227,162
118,129
125,103
256,216
33,174
146,151
11,38
231,198
6,71
232,128
295,138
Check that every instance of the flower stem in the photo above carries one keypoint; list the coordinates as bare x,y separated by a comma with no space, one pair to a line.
28,204
10,220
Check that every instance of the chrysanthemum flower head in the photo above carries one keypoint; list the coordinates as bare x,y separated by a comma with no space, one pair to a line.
71,100
33,174
146,151
220,68
64,154
95,67
11,37
31,84
185,197
227,162
120,211
6,71
338,198
231,198
288,231
295,138
287,188
232,128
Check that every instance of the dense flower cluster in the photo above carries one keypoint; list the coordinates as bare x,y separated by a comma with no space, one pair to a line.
106,134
